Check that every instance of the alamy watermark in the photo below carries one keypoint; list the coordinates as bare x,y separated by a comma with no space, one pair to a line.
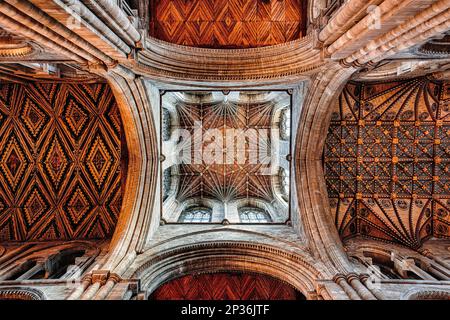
226,146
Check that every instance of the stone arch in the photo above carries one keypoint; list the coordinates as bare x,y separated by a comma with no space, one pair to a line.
426,294
207,257
19,293
135,98
310,184
315,8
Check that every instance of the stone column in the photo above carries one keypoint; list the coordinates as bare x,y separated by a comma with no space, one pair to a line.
91,291
107,288
342,281
99,278
438,274
409,265
322,293
361,289
438,266
80,289
348,10
376,292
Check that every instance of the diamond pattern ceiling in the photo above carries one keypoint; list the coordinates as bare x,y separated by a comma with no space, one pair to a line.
387,161
228,23
60,162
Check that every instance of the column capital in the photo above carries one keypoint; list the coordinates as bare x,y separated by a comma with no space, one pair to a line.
100,276
337,278
352,276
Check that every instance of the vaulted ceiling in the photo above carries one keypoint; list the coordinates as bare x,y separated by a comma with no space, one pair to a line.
243,173
228,23
60,161
224,181
387,161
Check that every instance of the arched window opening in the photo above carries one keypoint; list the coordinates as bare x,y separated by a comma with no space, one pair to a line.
284,183
45,268
196,215
385,264
60,264
254,215
23,271
285,124
166,124
167,180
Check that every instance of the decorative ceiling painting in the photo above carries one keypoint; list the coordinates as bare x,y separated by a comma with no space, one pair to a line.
228,23
226,151
387,161
60,161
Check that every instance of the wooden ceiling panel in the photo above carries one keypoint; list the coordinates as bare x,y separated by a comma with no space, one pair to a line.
387,161
226,286
60,162
228,23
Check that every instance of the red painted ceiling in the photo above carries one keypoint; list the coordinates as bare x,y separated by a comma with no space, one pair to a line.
226,286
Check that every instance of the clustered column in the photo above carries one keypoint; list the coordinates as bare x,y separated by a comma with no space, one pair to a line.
355,288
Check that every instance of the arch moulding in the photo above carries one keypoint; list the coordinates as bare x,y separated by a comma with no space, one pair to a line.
228,256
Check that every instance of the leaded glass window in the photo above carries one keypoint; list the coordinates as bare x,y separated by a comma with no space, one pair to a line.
196,215
254,215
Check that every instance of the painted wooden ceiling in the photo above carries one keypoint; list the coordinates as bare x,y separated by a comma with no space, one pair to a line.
226,286
224,181
387,161
227,23
60,162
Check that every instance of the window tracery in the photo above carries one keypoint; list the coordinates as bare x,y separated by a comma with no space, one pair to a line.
284,183
285,124
253,215
196,215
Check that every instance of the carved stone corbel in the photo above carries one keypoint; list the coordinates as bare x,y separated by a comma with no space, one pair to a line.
100,276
